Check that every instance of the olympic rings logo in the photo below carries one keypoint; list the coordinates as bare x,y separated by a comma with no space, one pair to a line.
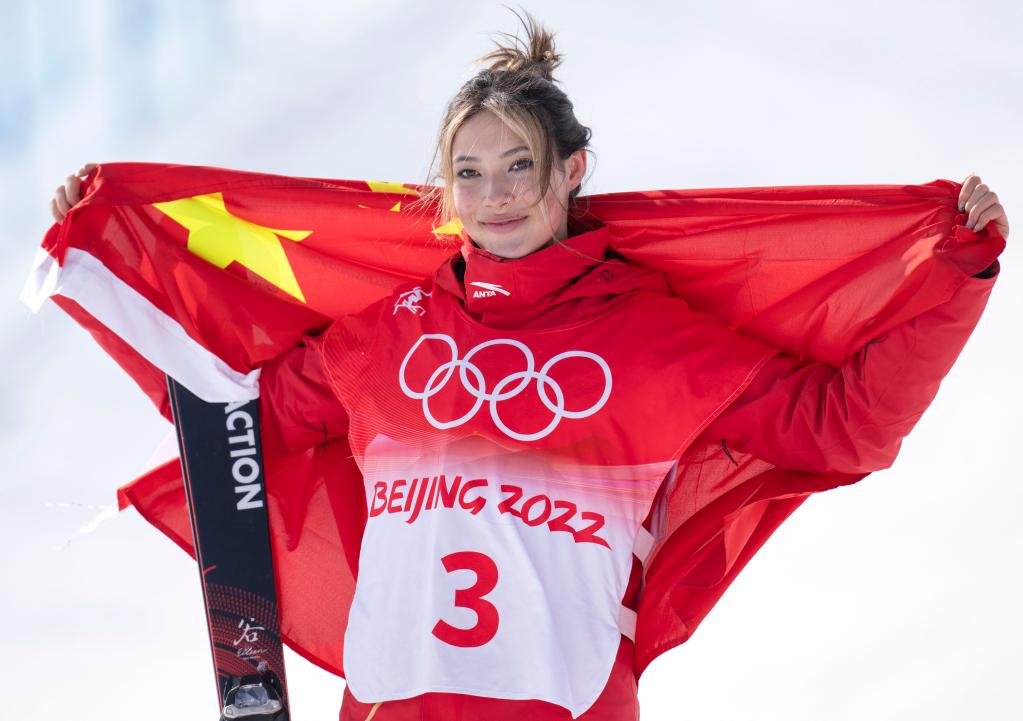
477,386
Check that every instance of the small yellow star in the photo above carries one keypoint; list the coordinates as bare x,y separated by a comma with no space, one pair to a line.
381,186
453,227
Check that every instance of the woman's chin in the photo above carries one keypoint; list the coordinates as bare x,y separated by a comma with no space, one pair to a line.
503,247
508,247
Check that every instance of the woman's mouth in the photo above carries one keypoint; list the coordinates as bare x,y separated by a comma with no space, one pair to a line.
503,226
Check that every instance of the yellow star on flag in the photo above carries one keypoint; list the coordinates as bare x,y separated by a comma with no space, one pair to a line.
219,237
453,227
383,186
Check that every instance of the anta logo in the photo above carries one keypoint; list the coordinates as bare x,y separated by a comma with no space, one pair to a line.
488,289
410,301
485,388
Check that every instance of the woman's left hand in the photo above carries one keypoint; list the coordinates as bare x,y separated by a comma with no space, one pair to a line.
981,206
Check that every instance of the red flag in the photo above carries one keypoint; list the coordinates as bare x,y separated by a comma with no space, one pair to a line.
206,274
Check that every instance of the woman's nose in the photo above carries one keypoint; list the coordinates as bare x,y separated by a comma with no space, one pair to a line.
498,190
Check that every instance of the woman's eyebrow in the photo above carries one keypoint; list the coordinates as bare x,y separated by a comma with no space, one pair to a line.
470,158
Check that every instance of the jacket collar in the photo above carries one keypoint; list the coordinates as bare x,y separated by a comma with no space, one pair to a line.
555,284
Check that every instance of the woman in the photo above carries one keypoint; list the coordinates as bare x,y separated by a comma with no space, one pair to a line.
511,380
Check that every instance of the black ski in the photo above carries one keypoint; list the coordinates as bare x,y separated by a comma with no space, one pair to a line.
222,464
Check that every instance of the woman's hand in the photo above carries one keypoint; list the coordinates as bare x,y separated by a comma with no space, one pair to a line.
981,206
67,195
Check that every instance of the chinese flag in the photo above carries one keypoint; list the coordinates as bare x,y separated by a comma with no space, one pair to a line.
205,274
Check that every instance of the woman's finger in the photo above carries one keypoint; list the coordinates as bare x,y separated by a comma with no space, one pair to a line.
976,190
977,204
976,194
57,215
969,183
71,186
987,215
62,205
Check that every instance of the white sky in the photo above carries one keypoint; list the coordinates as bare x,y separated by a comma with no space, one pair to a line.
896,598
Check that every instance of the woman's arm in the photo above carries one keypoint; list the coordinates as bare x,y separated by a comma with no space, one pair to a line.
812,416
297,407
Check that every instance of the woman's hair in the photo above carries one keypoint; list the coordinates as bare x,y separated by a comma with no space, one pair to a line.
518,87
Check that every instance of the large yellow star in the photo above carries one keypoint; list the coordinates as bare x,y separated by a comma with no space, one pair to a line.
219,237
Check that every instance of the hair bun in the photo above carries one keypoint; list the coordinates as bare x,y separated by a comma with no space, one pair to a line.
535,54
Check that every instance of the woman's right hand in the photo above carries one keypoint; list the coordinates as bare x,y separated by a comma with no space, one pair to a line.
68,195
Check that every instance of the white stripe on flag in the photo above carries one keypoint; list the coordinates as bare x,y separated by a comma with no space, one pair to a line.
41,281
152,333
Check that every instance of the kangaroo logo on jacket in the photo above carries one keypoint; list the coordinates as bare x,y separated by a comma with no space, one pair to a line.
410,301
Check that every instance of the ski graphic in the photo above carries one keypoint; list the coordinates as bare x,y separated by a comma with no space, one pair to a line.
222,465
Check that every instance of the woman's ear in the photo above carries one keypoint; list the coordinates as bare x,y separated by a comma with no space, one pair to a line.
576,168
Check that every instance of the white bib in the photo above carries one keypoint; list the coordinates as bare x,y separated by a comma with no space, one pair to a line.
491,573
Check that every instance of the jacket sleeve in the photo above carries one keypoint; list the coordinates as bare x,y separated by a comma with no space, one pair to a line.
298,408
811,416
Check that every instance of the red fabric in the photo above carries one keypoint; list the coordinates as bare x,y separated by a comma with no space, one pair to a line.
815,271
815,417
799,428
298,409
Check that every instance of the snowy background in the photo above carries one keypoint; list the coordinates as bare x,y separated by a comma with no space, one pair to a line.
890,599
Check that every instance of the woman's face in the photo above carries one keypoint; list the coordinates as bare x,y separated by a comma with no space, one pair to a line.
495,189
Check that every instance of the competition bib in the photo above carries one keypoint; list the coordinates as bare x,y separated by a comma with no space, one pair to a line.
491,573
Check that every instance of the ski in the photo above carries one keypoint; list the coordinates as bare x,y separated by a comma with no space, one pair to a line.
222,465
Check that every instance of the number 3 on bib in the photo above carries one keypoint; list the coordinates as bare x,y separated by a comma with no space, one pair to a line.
472,598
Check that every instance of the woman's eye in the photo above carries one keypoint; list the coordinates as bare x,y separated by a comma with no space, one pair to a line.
520,164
